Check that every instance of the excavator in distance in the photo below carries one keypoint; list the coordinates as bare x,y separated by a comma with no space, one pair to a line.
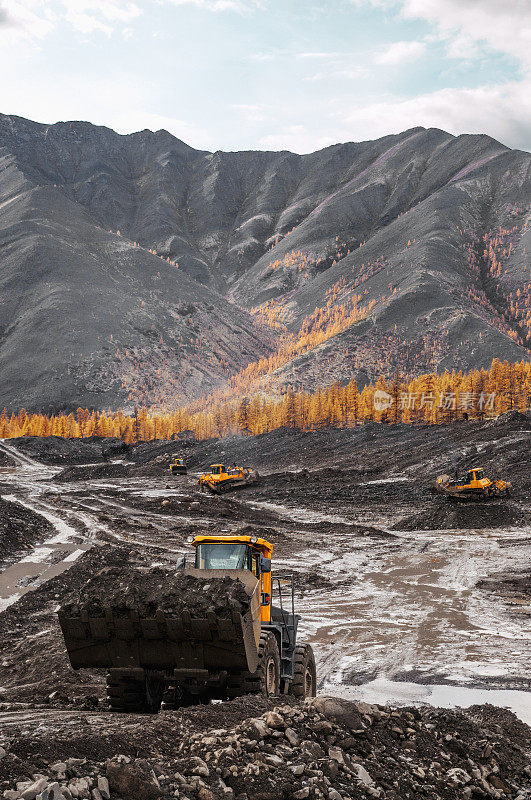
197,653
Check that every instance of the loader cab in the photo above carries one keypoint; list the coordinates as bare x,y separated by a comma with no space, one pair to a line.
235,553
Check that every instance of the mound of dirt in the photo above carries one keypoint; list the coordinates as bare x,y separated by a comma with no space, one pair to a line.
92,472
251,749
150,590
20,529
446,515
514,587
56,450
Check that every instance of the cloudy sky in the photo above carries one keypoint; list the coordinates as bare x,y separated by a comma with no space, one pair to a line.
271,74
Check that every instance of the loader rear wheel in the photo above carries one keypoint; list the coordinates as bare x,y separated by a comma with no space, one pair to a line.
304,683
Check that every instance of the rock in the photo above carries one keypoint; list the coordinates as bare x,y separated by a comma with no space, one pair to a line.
273,760
291,736
96,794
258,728
297,769
497,782
132,781
103,786
301,794
34,789
59,768
333,794
339,710
52,792
11,794
362,775
459,776
195,506
79,788
3,753
197,766
336,754
274,720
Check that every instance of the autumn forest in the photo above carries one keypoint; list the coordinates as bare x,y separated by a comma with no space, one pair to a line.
430,398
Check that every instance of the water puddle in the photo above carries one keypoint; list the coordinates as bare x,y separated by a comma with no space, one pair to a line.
383,691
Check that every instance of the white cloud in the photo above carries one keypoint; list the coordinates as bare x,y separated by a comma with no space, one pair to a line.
221,5
296,138
349,74
400,53
35,19
502,111
319,56
93,15
26,20
503,24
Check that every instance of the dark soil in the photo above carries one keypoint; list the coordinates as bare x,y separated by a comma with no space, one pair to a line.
148,590
451,515
20,530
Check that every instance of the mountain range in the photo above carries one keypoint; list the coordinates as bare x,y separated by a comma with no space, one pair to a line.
136,269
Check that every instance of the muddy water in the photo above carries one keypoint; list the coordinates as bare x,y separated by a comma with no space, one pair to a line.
392,619
411,611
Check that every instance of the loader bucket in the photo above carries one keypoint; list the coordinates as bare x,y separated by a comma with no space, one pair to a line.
168,641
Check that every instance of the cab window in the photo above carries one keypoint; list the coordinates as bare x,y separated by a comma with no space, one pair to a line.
255,568
214,555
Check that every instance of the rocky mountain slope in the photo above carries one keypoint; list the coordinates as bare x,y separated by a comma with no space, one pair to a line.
414,247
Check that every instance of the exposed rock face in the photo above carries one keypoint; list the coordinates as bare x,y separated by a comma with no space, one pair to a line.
399,222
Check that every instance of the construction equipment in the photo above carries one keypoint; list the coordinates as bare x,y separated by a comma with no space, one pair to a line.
222,479
474,486
224,638
177,466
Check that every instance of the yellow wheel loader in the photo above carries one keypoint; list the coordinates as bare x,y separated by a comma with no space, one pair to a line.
474,486
222,479
177,466
225,639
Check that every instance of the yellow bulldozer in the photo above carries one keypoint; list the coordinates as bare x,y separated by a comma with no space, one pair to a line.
225,639
222,479
474,486
177,466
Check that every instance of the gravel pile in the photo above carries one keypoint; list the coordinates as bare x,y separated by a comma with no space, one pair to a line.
323,749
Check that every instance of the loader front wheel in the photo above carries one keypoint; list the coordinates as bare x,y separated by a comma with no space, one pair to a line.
132,694
304,683
268,672
266,679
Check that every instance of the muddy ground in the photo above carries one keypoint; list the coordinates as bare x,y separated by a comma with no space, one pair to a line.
406,598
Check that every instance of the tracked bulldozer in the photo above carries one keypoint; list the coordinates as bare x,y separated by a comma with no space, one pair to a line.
474,486
223,479
211,631
178,467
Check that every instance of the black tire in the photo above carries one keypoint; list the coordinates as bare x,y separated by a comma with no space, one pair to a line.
304,683
134,695
266,679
